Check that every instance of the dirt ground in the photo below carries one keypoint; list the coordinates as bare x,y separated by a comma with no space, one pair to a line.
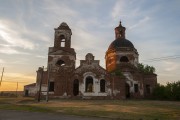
22,115
111,109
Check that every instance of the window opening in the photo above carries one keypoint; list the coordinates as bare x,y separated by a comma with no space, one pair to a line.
89,84
60,63
148,90
124,59
136,88
51,86
76,87
102,85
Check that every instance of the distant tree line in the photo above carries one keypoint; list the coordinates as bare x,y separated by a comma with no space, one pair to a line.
7,94
171,91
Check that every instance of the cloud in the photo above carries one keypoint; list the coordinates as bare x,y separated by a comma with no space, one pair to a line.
170,66
18,77
40,56
93,2
118,10
140,22
8,50
9,32
2,61
58,9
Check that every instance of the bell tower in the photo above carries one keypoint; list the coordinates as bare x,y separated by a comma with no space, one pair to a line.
61,58
62,36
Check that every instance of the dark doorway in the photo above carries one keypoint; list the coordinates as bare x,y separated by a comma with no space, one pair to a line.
26,93
127,91
76,87
102,85
89,84
148,89
51,86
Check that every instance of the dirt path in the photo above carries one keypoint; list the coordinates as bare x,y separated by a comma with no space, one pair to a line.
21,115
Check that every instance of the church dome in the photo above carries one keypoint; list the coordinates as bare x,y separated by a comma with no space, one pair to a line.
120,43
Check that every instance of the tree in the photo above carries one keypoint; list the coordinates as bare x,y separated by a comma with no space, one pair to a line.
146,69
171,91
158,92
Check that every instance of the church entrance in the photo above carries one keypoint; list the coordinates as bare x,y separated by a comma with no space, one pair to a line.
76,87
127,91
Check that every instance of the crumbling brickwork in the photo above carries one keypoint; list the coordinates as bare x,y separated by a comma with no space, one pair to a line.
120,80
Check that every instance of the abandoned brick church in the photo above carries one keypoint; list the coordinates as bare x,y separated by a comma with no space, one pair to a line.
120,80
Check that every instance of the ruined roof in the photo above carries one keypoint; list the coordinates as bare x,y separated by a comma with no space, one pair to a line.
63,26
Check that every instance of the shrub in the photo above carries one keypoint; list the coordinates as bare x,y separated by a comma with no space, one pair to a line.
146,68
171,91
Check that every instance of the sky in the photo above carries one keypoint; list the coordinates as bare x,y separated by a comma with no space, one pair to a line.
27,30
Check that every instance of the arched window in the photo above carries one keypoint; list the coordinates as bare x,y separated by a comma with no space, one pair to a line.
89,84
76,87
124,59
62,41
102,85
60,63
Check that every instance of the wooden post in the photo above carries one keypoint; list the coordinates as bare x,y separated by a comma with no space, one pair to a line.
39,94
113,87
17,90
2,76
48,82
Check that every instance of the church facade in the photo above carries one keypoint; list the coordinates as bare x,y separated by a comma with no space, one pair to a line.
120,80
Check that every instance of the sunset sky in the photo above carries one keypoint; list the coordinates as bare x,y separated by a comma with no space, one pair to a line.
27,30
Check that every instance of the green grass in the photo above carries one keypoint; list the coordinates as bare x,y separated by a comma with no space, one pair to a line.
21,104
115,109
24,108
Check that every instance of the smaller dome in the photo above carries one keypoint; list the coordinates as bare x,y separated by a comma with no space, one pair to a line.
121,42
89,56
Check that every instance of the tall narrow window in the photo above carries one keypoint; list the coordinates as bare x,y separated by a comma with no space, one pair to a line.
62,41
51,86
89,84
136,88
148,89
127,90
76,87
102,85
